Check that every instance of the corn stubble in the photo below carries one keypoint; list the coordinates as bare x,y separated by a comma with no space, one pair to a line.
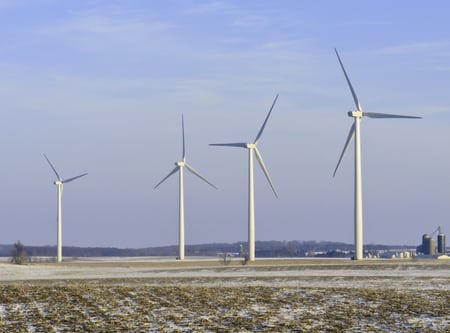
113,306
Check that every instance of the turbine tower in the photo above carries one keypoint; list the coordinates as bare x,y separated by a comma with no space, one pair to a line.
59,183
357,115
179,166
253,149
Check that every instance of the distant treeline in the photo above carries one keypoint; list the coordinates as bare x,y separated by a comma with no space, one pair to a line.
272,249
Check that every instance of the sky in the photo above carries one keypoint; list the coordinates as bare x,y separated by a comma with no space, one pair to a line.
100,87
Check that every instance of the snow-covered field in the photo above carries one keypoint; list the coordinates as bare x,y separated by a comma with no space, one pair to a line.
163,295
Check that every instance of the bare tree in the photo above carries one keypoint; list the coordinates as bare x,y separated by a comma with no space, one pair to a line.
292,248
243,254
225,258
19,255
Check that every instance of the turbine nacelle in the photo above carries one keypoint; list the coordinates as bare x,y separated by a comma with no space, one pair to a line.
180,164
58,182
251,145
356,114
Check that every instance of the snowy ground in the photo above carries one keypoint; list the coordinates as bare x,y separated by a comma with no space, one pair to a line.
411,274
163,295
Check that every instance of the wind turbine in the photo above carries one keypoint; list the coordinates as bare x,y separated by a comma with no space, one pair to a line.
179,166
358,114
253,149
59,183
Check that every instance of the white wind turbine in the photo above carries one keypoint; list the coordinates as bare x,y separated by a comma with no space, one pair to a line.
59,183
253,148
179,166
355,132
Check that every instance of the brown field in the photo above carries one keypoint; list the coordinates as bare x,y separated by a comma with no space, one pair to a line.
205,296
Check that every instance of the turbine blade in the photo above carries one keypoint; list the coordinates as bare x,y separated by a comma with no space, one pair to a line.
170,174
51,165
263,167
355,98
195,172
350,136
184,144
238,144
265,121
386,115
73,178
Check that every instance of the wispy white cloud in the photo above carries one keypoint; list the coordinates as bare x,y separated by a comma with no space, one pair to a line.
250,21
280,44
207,7
101,24
441,68
107,32
415,47
10,3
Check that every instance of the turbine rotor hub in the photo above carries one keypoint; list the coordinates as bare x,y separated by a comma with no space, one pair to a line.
251,145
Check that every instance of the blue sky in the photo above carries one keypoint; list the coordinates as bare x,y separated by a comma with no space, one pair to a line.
100,86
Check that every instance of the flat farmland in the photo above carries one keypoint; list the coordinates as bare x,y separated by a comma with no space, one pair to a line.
161,295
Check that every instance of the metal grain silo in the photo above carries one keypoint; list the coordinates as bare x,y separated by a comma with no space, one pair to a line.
428,245
441,243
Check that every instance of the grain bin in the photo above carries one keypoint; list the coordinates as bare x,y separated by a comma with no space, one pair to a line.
428,245
441,243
